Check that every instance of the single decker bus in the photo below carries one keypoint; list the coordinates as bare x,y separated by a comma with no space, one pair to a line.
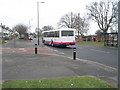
59,37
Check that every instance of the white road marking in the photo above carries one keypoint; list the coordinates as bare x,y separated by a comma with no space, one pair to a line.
13,51
23,49
79,47
48,48
99,51
54,50
61,53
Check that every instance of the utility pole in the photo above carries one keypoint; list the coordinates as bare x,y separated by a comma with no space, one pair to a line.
119,44
38,20
78,27
1,29
14,37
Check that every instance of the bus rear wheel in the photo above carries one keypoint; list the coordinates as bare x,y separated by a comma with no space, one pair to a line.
43,41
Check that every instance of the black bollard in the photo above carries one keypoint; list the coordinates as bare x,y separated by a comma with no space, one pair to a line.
35,48
74,53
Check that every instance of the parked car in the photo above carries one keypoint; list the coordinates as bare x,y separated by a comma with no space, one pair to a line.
34,36
30,37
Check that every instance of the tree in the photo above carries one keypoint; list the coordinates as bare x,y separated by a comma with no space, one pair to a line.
98,32
104,13
72,20
46,28
84,26
21,29
68,20
99,35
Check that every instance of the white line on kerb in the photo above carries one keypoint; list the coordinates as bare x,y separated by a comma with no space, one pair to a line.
94,63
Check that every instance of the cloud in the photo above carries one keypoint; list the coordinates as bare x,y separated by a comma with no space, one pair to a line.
20,11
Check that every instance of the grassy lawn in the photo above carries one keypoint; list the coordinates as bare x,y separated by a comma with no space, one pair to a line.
64,82
91,43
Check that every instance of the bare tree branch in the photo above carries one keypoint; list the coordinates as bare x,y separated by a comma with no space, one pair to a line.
46,28
20,28
104,13
72,20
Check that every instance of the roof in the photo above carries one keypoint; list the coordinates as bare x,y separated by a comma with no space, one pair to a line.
60,29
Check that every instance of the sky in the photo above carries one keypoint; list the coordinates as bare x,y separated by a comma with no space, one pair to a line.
13,12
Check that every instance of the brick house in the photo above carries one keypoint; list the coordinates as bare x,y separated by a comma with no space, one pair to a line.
90,38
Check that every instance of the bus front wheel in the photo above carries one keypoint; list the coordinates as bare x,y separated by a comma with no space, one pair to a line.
52,44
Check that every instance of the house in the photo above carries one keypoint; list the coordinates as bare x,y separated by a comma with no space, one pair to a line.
86,38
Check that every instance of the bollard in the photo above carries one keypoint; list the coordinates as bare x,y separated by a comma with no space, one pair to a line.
35,48
74,53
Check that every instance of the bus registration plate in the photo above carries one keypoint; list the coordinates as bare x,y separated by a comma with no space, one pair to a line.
67,43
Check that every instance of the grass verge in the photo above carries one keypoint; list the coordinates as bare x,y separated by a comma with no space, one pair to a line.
91,43
64,82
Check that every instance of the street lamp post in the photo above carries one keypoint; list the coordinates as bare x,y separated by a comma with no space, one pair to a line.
38,19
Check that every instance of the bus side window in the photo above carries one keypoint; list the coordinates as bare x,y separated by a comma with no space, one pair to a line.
56,33
71,33
51,34
48,34
45,34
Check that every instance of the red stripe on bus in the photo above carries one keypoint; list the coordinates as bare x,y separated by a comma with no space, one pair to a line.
47,41
58,42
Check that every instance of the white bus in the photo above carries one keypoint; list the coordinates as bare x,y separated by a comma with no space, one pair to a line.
59,37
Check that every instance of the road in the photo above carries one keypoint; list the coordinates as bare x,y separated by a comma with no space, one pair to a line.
101,54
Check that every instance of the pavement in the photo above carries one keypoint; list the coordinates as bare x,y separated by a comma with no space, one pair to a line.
21,62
